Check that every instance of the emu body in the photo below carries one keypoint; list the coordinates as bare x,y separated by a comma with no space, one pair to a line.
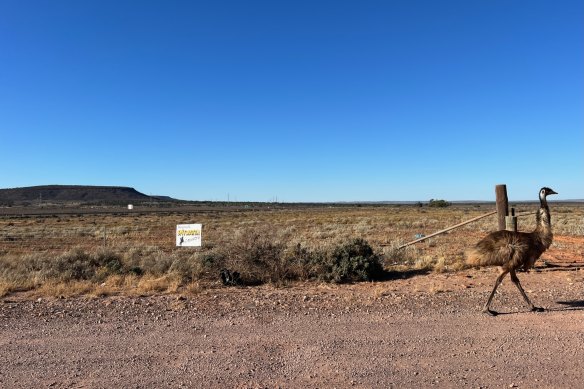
514,250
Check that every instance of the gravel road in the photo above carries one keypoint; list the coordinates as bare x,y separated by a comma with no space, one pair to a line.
419,331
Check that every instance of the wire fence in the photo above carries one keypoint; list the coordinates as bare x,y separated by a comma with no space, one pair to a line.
28,239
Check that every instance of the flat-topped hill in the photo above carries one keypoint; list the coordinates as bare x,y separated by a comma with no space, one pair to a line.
72,193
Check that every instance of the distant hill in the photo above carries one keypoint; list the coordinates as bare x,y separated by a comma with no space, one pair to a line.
75,193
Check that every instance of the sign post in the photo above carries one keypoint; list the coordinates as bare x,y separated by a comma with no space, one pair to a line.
188,235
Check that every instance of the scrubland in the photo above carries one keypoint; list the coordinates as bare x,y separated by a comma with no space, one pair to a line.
134,253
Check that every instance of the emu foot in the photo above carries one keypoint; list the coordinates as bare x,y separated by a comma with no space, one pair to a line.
490,312
537,309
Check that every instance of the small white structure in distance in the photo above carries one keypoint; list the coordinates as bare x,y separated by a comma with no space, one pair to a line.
189,235
130,206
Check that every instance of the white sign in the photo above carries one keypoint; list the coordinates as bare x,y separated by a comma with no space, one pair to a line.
188,235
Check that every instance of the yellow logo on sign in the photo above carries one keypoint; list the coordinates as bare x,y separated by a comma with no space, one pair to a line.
188,232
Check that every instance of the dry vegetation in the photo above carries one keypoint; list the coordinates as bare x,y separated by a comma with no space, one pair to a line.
102,254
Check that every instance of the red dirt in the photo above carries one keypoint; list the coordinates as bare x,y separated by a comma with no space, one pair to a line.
417,331
566,250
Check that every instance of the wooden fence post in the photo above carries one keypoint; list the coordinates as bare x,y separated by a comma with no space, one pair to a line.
502,204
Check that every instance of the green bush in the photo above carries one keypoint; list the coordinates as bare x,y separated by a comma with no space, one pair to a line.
353,261
438,203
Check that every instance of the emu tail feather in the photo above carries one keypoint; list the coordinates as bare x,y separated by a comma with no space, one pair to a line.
475,257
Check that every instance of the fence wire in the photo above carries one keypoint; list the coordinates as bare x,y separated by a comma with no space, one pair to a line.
26,239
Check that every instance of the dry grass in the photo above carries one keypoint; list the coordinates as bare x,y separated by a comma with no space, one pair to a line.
67,255
164,284
6,288
66,289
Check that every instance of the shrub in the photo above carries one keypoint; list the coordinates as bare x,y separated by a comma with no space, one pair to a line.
155,262
74,265
353,261
438,203
260,257
304,263
210,264
110,260
257,256
194,266
77,265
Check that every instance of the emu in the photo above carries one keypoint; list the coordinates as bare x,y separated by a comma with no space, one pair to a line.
514,250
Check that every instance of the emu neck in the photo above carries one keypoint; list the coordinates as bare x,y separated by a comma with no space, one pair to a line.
544,223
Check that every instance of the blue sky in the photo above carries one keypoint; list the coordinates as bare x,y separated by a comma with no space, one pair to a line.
299,100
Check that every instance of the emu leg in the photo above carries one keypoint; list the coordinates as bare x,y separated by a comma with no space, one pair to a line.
497,283
518,285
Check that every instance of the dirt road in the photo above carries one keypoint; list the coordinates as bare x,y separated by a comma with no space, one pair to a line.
416,332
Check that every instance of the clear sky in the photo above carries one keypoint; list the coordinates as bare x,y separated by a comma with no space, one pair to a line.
295,100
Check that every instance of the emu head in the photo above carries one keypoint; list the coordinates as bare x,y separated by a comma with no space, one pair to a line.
545,191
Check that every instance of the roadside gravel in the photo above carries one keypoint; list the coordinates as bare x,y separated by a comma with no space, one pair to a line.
412,332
